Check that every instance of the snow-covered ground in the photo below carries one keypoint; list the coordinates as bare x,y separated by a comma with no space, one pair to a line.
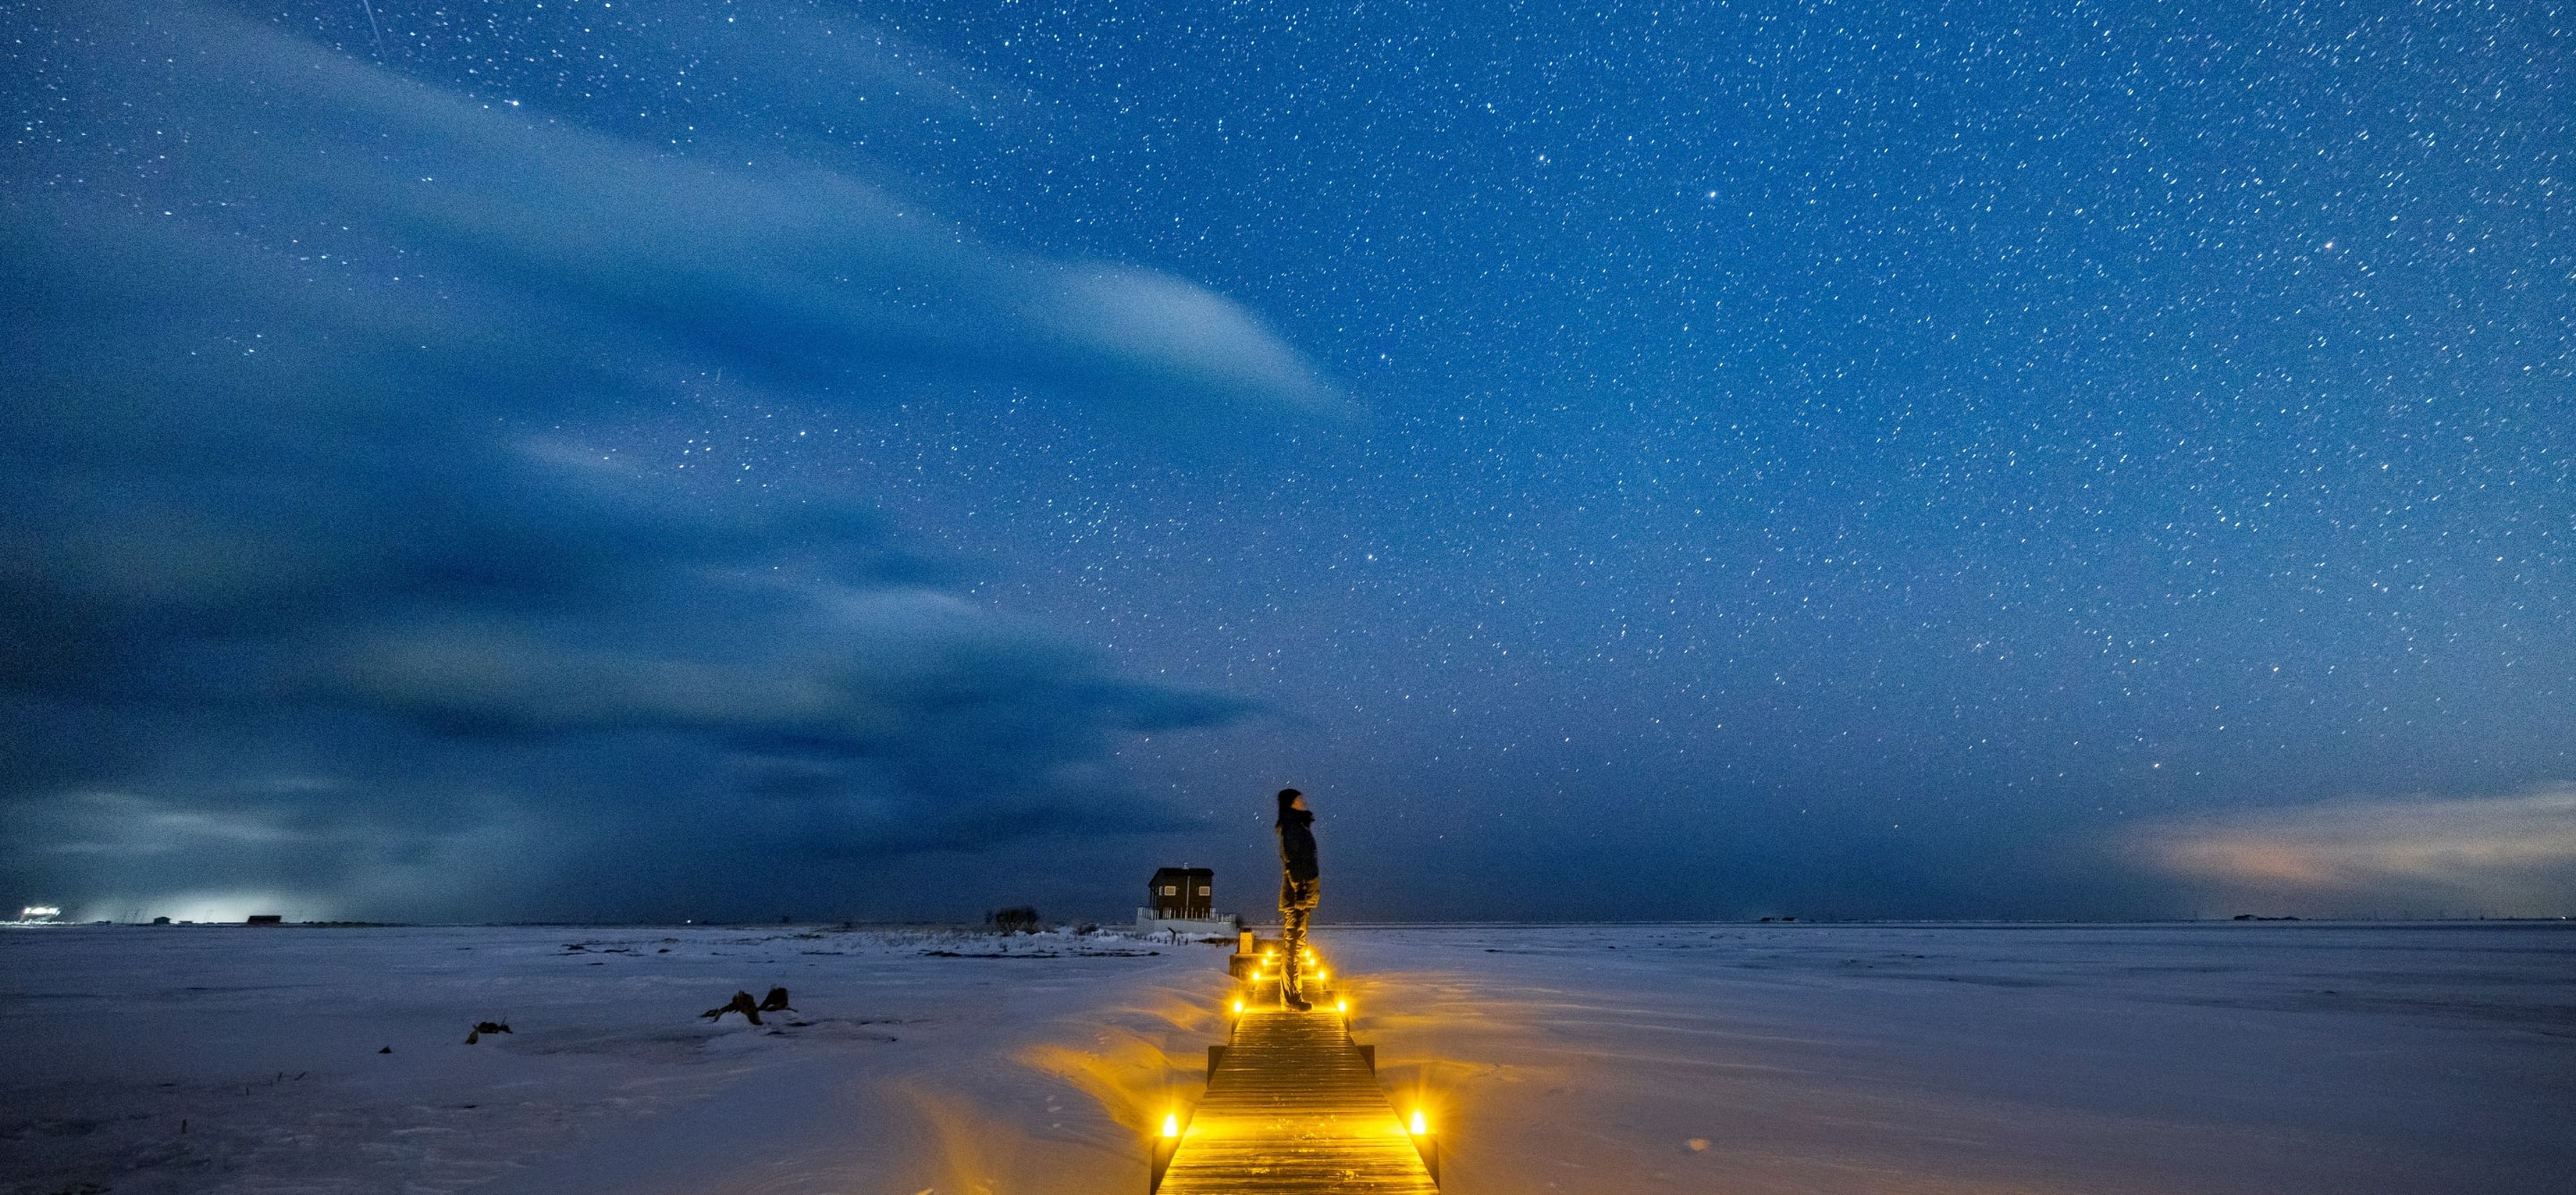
1777,1058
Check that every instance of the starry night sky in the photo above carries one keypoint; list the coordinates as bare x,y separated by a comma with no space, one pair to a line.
664,459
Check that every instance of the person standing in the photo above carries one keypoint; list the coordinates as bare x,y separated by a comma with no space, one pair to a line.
1299,887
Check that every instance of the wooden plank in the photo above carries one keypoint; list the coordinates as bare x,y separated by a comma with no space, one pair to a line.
1292,1107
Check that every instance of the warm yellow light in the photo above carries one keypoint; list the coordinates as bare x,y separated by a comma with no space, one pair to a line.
1172,1123
1341,1006
1322,974
1419,1127
1238,1008
1266,956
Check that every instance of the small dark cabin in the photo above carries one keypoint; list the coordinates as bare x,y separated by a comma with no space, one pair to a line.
1183,892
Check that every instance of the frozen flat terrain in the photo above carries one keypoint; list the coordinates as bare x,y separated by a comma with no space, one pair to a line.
1776,1058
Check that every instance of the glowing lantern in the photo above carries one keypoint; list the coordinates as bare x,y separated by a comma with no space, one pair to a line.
1172,1123
1238,1008
1419,1125
1341,1006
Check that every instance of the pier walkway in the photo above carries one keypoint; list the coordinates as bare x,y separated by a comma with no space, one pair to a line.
1293,1107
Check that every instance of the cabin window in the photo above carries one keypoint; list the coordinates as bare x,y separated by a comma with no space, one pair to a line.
1171,890
1203,890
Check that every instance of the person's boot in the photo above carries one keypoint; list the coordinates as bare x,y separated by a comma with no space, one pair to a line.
1296,1000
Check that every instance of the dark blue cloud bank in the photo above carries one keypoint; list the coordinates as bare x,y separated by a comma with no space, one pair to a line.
321,587
664,459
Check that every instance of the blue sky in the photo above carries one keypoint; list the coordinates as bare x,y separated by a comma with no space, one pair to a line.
687,459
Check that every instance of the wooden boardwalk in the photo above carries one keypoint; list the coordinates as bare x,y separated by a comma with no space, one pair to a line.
1293,1106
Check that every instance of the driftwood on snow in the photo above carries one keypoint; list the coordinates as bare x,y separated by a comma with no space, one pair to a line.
742,1003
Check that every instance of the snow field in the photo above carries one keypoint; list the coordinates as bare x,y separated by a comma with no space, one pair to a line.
1733,1058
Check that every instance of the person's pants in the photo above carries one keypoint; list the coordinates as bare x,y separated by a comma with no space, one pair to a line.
1296,903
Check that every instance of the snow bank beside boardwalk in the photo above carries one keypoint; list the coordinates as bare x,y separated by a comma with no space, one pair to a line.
902,1064
2214,1058
2199,1058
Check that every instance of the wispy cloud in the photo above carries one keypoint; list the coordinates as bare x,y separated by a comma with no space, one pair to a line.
2502,855
304,354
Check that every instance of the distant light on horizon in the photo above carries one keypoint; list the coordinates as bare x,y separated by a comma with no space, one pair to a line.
2509,856
209,908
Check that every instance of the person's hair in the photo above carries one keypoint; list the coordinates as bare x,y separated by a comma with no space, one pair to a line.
1287,796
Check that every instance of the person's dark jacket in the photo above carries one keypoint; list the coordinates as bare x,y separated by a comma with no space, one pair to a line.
1297,843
